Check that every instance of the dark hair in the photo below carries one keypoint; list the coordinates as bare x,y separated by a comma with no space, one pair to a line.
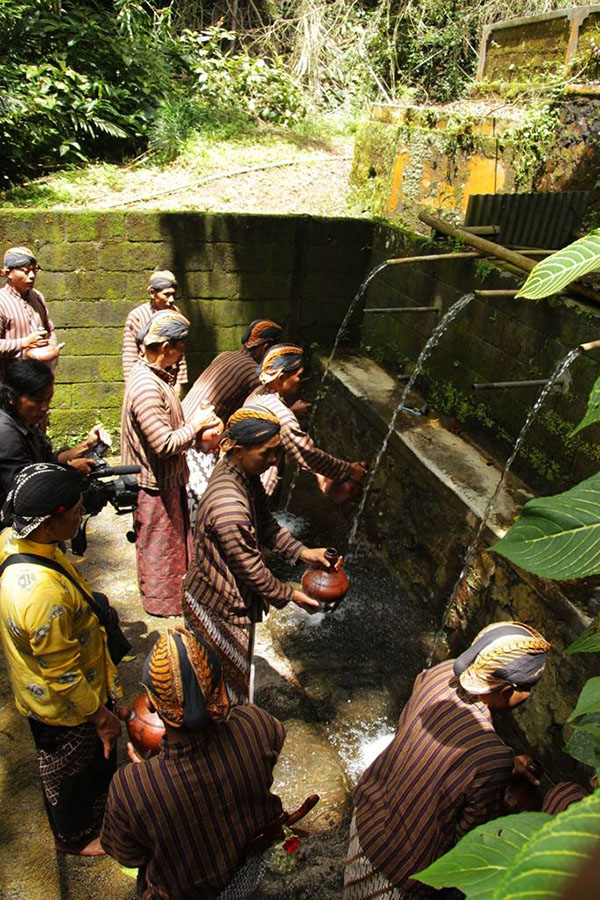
24,376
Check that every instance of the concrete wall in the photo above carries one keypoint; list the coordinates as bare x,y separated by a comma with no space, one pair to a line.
500,339
231,269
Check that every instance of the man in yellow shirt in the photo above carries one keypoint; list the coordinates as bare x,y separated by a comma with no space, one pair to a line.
59,666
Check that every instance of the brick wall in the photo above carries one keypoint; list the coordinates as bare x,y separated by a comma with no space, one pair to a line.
231,269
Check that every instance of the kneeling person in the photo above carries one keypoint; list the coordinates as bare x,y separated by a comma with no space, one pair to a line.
186,816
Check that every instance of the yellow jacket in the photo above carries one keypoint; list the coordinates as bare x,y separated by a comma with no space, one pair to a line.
55,647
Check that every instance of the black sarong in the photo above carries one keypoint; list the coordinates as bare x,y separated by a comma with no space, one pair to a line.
75,780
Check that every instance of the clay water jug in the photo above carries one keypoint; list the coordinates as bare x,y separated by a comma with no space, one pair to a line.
328,585
145,727
340,492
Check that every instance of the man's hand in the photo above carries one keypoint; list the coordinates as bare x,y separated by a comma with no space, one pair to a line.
131,753
316,557
305,602
37,338
204,417
95,435
82,464
108,728
526,766
358,471
300,408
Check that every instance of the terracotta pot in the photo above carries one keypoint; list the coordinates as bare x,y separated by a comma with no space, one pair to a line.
209,439
43,354
145,728
340,492
327,585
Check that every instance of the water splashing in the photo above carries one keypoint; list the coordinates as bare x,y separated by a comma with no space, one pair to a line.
559,370
353,303
435,336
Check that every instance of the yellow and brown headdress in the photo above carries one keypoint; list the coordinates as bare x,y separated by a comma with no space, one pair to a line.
248,426
183,678
165,325
502,653
261,331
281,358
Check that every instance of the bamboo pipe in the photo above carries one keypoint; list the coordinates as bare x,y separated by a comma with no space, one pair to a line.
490,293
397,261
590,345
485,247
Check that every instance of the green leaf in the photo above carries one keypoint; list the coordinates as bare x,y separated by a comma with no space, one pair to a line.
561,268
593,409
584,743
554,854
558,537
589,699
588,641
482,856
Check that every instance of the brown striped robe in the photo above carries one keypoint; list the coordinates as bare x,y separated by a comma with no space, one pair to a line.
155,437
560,797
296,442
19,316
225,384
137,319
185,817
228,585
444,773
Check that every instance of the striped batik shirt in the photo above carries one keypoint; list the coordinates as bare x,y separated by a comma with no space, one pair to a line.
19,316
153,430
228,573
186,815
225,384
445,772
137,319
295,442
561,796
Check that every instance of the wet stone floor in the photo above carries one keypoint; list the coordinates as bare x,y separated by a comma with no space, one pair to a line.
338,681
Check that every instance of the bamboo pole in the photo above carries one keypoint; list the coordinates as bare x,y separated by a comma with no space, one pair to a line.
489,248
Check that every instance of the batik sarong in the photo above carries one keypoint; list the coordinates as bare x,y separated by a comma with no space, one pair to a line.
246,879
201,466
163,548
75,779
363,882
233,643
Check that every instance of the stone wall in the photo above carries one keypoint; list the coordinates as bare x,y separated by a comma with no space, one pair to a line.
499,339
231,269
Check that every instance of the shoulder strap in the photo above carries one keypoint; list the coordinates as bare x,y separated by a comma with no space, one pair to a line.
43,561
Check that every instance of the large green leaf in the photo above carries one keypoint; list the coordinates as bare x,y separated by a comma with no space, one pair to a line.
589,699
593,409
584,743
553,855
482,856
558,537
588,641
552,274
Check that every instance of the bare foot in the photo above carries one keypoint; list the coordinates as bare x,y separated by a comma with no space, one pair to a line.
94,848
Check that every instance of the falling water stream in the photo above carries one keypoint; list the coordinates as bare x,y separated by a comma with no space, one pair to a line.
336,343
435,336
560,369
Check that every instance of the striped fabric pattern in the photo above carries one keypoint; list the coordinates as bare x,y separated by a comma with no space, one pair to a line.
188,813
228,573
135,321
558,798
153,430
444,773
19,316
296,442
225,384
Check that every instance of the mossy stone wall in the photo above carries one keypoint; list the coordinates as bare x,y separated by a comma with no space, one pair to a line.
231,269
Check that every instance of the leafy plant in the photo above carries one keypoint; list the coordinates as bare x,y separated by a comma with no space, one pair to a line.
555,272
592,414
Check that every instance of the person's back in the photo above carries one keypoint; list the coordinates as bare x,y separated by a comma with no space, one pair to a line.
224,384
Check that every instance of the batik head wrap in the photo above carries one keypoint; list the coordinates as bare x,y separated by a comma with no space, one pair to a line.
165,325
503,653
161,280
183,678
261,331
248,426
40,491
281,358
15,257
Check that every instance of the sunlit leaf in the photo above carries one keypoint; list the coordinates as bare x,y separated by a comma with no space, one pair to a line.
555,272
592,414
588,641
589,699
584,743
558,537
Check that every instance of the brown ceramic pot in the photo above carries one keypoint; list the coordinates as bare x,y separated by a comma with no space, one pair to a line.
340,492
43,354
145,727
327,585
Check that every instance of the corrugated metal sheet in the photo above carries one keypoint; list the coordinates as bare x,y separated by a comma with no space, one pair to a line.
529,220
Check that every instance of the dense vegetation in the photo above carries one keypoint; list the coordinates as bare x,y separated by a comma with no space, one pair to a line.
106,79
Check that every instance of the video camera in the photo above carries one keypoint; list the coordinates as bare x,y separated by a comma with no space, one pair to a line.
121,492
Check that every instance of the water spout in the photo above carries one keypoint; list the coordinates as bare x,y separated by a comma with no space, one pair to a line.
563,383
556,375
435,336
